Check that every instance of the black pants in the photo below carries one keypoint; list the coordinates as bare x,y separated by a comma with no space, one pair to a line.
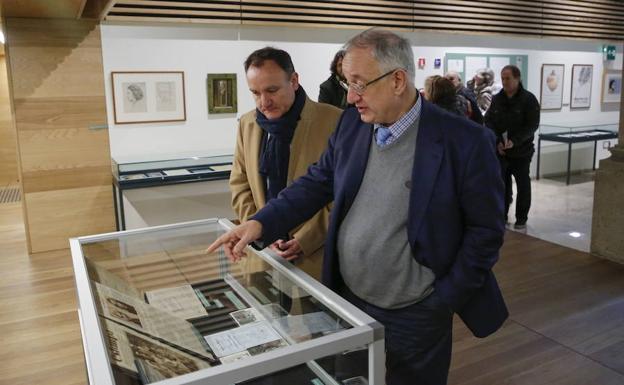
418,339
519,168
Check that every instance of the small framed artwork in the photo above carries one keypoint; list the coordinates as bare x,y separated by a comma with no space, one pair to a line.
551,94
581,86
148,96
611,86
222,94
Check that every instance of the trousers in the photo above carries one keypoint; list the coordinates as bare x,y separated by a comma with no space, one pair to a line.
519,169
418,339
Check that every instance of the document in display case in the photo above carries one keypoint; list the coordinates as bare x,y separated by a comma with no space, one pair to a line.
154,306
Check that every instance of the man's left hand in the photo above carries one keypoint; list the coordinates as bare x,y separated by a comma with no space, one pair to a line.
288,250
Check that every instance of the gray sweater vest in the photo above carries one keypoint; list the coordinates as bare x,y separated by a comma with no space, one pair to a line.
375,257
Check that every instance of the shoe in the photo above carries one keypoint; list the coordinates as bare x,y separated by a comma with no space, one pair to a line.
519,225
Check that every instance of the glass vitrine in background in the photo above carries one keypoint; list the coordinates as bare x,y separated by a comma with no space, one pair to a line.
171,168
166,170
574,133
154,306
578,128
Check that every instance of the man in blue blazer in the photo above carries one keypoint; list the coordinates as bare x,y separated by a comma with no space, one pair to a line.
417,221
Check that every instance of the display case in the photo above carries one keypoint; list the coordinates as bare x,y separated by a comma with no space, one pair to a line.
154,307
574,133
166,169
568,130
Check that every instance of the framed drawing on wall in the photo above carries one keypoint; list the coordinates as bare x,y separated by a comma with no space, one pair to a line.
222,94
581,85
611,86
144,97
551,94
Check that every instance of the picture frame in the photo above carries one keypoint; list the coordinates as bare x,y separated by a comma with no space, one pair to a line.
222,97
611,86
551,90
148,96
581,85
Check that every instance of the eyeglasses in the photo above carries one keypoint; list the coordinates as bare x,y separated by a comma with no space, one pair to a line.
359,88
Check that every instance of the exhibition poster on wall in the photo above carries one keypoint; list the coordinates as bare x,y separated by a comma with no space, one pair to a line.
581,86
552,86
611,86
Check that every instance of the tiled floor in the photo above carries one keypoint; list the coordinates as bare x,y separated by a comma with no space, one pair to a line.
561,214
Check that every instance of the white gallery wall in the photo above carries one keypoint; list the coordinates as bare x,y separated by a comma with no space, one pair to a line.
200,50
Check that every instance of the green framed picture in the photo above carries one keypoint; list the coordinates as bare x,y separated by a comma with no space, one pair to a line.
222,94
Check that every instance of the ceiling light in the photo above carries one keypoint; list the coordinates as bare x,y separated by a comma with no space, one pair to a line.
574,234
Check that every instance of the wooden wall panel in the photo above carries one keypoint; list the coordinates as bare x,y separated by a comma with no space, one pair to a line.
8,145
57,88
602,19
62,58
56,215
67,9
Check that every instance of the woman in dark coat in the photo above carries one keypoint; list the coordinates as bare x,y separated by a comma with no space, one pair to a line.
441,92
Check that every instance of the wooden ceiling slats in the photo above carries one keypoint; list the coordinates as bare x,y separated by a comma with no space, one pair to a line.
601,19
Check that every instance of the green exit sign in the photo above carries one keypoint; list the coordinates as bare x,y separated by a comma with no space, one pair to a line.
608,51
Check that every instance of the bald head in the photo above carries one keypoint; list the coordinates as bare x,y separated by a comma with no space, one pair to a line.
454,78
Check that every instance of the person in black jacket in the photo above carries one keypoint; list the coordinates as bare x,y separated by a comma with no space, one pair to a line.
514,116
331,91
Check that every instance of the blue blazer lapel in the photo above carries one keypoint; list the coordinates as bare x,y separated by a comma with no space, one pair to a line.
427,160
360,147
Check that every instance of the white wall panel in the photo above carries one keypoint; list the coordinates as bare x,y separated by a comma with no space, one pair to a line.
199,50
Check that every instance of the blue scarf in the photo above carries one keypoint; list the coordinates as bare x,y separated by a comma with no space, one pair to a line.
275,147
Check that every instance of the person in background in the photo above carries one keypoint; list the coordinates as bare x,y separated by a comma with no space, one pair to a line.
482,84
275,144
331,90
474,112
417,217
514,116
441,92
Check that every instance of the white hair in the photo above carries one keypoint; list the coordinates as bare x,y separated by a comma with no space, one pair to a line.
389,49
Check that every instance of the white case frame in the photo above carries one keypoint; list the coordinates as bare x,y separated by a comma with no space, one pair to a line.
365,331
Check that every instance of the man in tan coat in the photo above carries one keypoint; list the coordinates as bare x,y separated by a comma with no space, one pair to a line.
276,143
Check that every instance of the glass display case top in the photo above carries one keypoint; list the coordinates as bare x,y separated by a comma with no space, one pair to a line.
215,164
178,155
166,309
576,127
